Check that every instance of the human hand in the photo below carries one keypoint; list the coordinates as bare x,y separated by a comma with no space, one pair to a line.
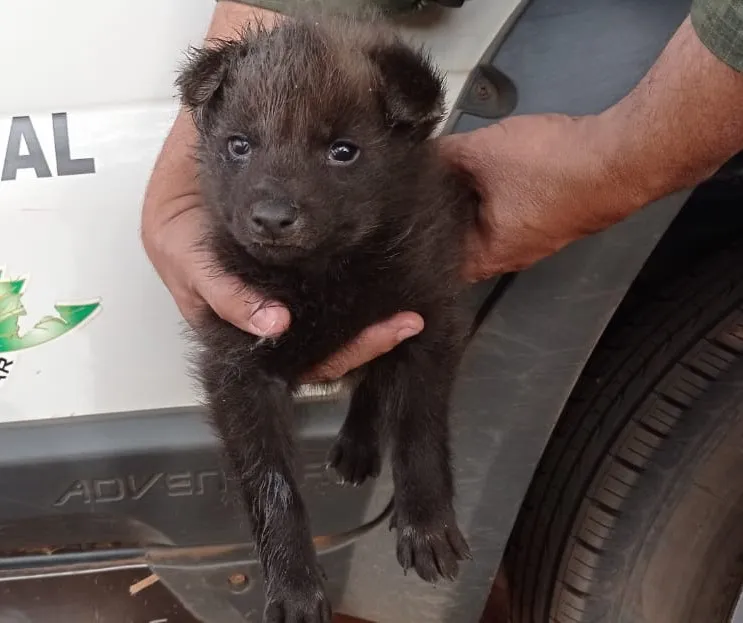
544,181
187,272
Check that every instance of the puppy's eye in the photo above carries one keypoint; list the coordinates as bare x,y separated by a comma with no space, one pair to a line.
343,152
238,146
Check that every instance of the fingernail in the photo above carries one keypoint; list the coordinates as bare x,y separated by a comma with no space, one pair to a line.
406,332
263,322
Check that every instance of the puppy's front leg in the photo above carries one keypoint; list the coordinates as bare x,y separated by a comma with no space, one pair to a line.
252,414
416,397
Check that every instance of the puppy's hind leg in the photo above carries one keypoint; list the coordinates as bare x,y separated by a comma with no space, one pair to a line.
252,414
356,453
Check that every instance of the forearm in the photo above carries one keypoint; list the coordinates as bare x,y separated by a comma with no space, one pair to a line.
173,187
680,124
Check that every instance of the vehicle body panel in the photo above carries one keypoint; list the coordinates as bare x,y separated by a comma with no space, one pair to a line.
75,236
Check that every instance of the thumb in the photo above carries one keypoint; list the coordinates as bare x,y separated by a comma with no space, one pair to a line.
457,149
451,148
244,308
471,152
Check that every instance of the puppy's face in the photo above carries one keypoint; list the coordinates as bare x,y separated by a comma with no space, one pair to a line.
307,131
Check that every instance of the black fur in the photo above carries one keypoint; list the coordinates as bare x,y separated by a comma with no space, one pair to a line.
381,235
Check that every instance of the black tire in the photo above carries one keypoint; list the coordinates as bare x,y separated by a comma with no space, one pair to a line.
635,514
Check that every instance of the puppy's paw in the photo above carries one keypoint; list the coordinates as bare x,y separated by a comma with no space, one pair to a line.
433,548
354,458
306,604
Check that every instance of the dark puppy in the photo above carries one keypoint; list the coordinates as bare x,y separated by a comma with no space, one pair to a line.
325,195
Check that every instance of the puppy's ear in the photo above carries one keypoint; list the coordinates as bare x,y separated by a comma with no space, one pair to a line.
203,75
412,89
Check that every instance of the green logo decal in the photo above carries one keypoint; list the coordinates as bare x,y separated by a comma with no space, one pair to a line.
47,329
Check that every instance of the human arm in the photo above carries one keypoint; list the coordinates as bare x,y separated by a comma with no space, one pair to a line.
548,180
173,217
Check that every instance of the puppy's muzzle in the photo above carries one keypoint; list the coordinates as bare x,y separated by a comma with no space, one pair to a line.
272,219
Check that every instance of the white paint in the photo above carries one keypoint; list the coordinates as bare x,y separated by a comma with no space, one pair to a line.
111,68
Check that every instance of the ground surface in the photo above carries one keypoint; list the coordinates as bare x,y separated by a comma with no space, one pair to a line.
93,599
89,599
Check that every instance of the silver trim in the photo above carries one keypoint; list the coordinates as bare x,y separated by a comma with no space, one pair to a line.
80,569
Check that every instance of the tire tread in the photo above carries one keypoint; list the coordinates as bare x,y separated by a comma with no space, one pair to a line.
663,349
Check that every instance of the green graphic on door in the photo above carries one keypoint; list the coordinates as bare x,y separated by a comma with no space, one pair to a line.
46,329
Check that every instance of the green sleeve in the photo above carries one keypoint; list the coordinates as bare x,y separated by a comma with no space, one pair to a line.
391,6
719,25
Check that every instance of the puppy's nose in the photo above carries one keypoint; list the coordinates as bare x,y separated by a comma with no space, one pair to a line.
272,217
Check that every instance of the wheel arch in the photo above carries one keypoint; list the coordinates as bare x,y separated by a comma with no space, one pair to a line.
540,331
539,334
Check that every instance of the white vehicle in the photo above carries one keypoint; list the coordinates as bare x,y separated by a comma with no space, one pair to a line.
599,415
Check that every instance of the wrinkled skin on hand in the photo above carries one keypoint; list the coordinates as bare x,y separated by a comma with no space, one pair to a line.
538,177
